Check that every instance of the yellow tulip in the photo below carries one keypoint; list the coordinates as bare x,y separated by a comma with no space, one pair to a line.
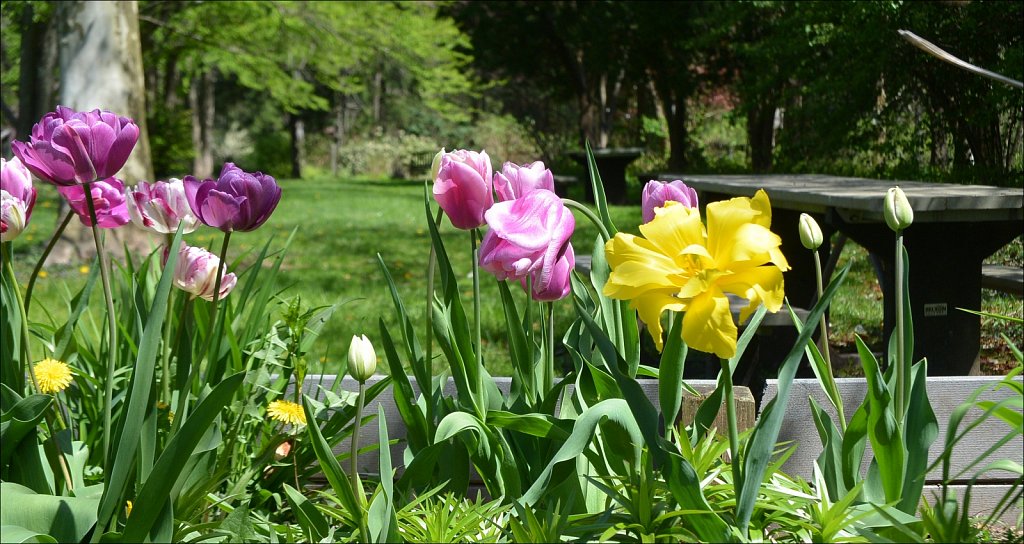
681,265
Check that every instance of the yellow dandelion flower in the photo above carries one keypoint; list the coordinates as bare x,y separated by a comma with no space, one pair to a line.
287,412
53,376
84,269
43,273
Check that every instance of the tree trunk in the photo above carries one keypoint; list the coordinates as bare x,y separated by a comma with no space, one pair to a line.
297,128
101,67
378,91
200,97
761,134
36,85
678,135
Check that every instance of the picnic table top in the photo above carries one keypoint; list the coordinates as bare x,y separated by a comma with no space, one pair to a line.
861,199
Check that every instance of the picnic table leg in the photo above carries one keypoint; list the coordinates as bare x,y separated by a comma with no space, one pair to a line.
945,274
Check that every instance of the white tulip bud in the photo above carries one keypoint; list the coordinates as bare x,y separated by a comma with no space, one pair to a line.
362,360
898,213
435,165
810,232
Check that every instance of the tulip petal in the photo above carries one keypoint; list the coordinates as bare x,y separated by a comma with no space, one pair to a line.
708,324
763,284
220,209
650,305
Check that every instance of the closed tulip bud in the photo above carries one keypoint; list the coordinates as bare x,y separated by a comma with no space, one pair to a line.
656,193
196,273
362,361
898,213
462,187
435,165
810,232
13,216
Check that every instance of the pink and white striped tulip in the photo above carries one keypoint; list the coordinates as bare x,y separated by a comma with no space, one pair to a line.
515,181
530,236
196,273
17,198
161,206
656,193
463,187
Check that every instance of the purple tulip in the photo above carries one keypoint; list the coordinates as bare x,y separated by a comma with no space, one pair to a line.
17,198
656,193
196,273
514,181
238,200
68,147
463,187
161,206
529,236
108,198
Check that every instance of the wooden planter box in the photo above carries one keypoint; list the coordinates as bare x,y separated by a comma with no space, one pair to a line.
945,393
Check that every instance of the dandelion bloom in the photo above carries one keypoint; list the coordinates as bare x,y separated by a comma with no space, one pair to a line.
53,376
681,265
286,411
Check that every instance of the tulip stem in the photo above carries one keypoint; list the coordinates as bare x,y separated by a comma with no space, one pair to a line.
824,342
549,353
428,361
357,489
7,256
108,386
901,363
479,393
590,215
216,323
734,435
42,259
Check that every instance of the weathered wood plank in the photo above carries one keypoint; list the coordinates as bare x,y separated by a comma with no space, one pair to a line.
1008,279
944,393
369,461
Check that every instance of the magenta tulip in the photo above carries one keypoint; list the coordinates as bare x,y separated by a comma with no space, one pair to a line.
108,198
463,187
515,181
196,273
238,200
161,206
68,147
529,236
18,197
656,193
558,284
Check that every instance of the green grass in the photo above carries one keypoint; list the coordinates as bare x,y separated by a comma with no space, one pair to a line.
341,226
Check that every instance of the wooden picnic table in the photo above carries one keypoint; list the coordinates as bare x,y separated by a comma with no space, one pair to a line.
611,163
955,228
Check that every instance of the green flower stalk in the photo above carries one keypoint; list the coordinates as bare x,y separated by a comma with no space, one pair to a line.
899,215
812,238
362,363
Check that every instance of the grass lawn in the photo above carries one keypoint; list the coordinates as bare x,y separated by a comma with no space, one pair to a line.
342,225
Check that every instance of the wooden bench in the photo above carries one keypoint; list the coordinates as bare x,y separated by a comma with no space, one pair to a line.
945,393
1008,279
